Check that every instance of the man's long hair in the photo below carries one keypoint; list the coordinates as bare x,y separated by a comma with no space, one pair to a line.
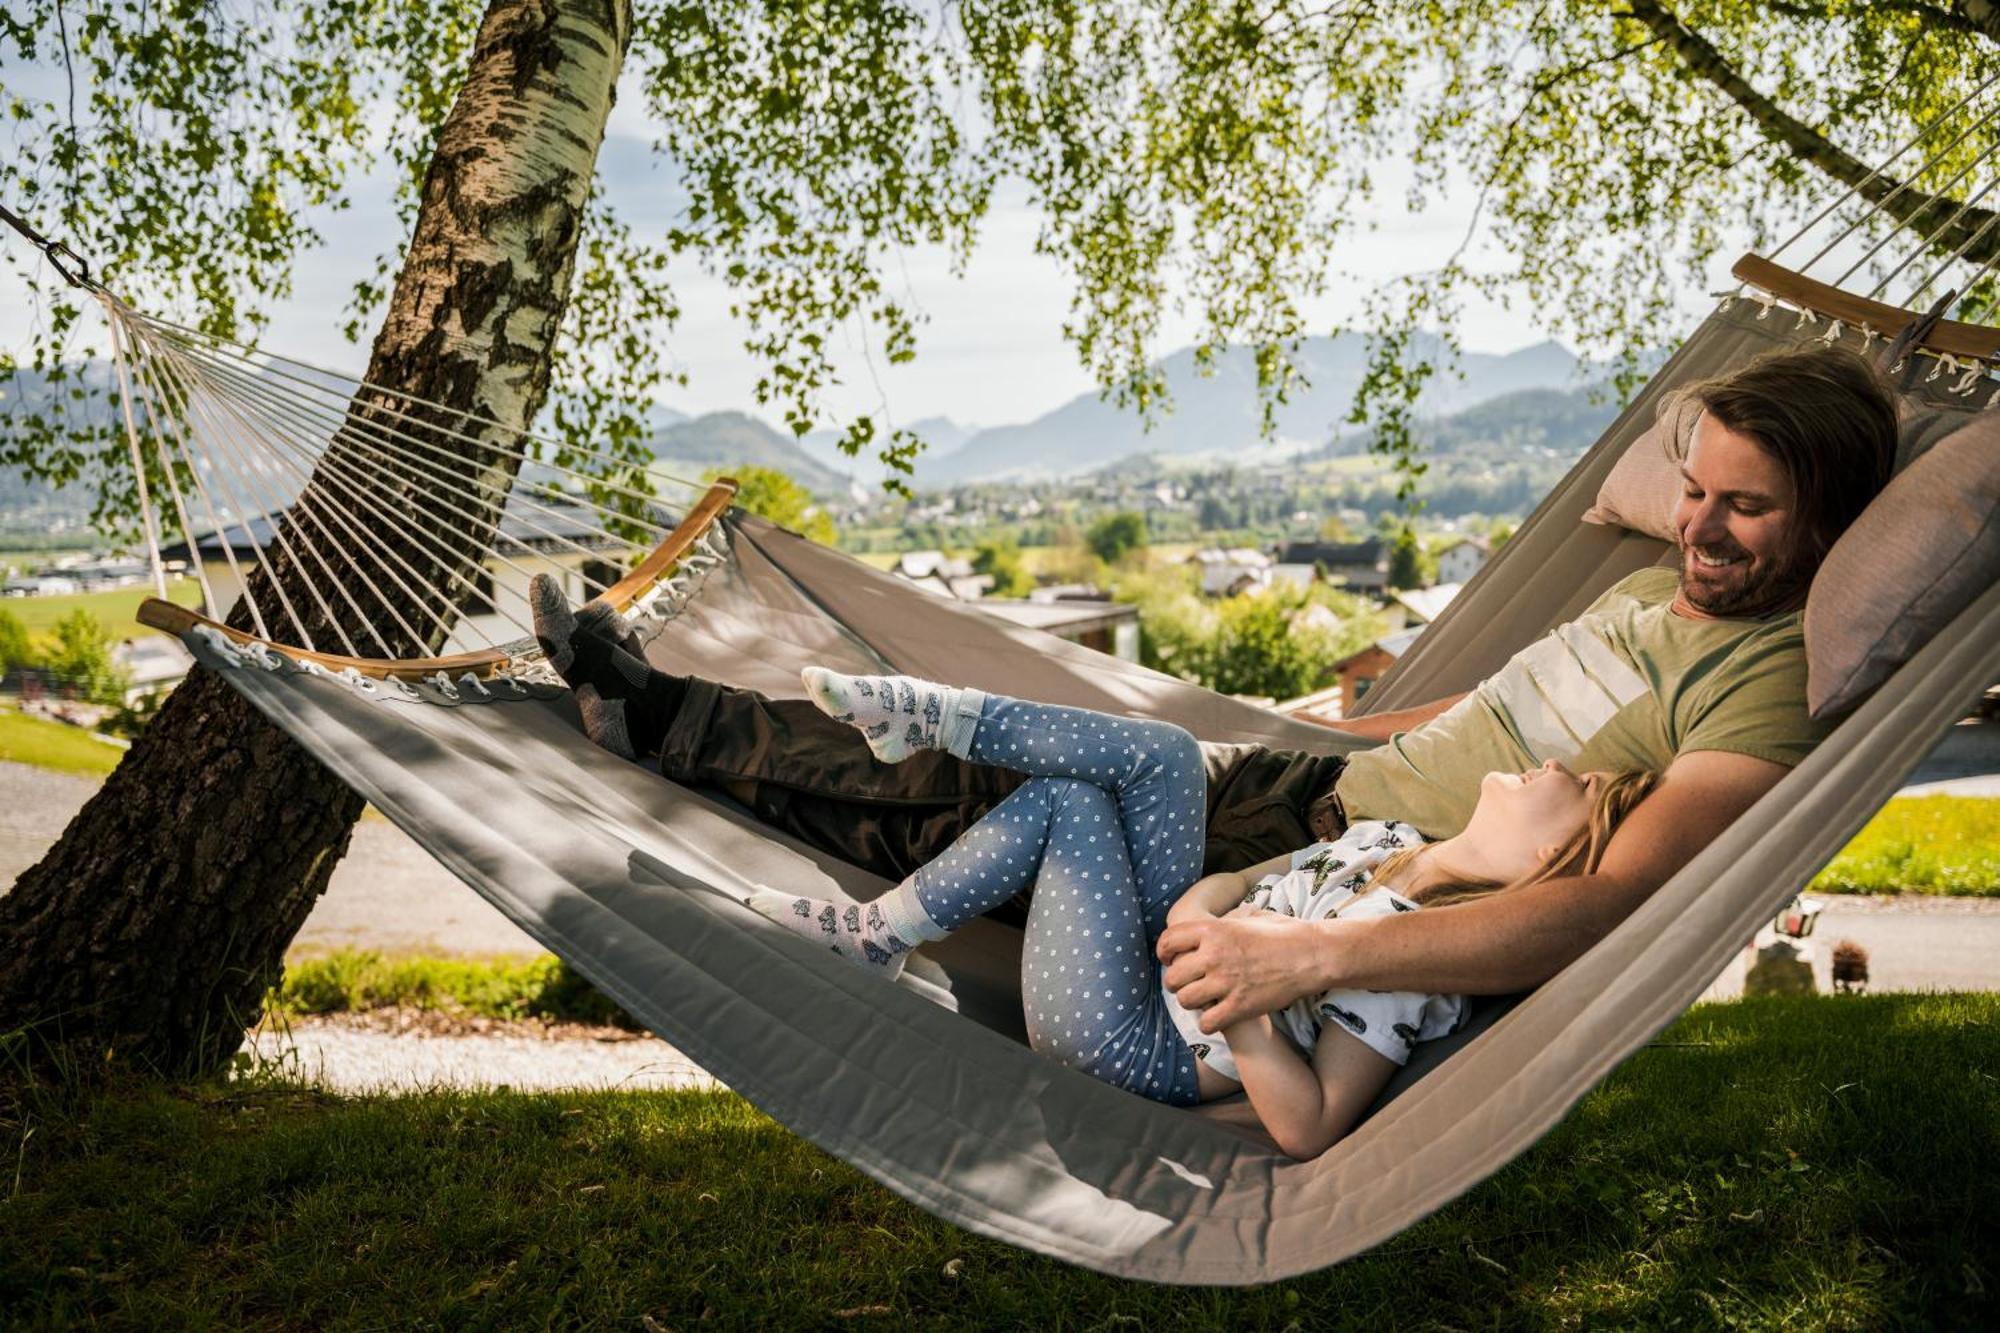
1828,418
1580,855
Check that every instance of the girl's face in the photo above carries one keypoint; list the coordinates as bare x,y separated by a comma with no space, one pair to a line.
1523,818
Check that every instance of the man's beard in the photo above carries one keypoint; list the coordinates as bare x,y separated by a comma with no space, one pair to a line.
1745,590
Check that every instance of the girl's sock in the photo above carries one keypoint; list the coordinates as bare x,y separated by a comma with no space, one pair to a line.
876,935
897,715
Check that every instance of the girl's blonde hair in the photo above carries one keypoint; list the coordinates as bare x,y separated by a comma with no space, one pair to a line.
1581,855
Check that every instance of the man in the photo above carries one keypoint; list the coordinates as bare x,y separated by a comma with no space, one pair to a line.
1698,674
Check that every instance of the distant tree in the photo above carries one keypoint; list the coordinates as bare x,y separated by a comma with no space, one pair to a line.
15,649
82,659
1497,535
1001,558
1333,528
1116,535
1406,560
769,493
1270,643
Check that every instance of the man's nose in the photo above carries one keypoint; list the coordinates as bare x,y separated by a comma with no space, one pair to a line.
1705,524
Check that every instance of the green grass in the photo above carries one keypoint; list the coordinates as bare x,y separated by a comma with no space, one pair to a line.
1779,1163
118,610
350,979
55,745
1948,845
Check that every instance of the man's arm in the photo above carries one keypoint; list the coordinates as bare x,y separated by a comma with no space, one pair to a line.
1381,726
1236,967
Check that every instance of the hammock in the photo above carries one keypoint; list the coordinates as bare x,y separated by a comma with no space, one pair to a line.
637,882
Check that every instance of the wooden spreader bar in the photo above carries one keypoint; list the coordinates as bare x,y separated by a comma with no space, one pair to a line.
1974,340
485,662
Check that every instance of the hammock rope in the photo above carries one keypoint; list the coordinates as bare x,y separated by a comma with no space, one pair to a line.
398,517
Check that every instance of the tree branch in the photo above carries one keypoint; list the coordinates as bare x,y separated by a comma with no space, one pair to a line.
1981,16
1921,212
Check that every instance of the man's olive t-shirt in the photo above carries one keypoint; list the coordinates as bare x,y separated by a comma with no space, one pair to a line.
1626,685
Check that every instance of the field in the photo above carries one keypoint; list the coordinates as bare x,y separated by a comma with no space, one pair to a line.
55,745
118,609
1948,845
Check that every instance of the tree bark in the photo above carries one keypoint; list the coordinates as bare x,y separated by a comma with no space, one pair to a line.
156,924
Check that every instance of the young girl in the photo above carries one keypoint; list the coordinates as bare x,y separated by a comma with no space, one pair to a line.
1109,831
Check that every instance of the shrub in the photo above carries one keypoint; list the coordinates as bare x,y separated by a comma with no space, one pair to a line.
1116,535
82,659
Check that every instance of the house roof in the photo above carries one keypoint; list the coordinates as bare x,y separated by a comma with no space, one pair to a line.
1060,617
1333,554
1427,604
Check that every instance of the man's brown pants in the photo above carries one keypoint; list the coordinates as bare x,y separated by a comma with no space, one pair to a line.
800,771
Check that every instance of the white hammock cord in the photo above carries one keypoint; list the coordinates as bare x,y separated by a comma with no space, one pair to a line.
356,435
1930,239
352,431
156,404
138,458
324,466
193,404
245,351
1890,235
1958,254
271,517
1880,205
343,414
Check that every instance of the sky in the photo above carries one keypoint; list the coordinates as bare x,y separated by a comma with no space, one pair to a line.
990,353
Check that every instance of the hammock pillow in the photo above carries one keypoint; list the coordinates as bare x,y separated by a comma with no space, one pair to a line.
1645,483
1917,556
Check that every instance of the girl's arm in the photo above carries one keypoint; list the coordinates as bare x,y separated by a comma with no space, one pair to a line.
1214,895
1306,1107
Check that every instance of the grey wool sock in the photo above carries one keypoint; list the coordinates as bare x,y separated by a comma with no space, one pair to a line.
897,715
627,706
876,935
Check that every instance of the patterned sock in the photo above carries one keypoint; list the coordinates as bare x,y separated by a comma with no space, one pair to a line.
877,935
897,715
627,706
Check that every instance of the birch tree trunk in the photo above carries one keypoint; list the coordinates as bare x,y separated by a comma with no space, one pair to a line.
156,924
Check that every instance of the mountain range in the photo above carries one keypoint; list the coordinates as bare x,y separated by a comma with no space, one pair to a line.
1534,397
1214,414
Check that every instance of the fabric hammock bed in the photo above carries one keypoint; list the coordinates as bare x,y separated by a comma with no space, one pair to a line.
638,882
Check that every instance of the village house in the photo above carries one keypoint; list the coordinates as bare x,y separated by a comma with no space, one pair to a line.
1361,566
1462,559
1228,572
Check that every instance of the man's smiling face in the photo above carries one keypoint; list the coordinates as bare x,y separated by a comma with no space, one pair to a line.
1740,556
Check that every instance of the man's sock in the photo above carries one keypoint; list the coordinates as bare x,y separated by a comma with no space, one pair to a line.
626,705
897,715
876,935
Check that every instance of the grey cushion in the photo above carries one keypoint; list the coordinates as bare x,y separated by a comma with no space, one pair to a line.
1926,547
1645,483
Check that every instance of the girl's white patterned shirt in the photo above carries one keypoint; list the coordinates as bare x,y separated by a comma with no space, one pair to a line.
1329,879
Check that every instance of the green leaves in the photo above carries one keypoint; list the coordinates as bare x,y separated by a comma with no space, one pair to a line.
1195,158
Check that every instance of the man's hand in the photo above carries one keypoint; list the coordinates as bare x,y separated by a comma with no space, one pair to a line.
1246,963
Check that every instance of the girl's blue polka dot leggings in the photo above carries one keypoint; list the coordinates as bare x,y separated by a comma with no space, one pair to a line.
1109,832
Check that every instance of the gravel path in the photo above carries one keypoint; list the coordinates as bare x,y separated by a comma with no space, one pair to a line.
393,1052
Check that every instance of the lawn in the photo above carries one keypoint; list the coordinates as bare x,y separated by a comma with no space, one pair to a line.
1946,845
1826,1162
117,610
54,745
